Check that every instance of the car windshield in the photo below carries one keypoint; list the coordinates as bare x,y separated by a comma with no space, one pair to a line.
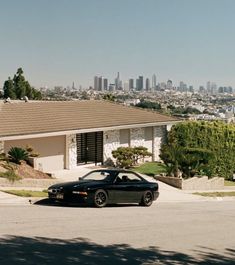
98,175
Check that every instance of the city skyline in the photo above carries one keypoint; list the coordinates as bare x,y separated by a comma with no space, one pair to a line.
60,42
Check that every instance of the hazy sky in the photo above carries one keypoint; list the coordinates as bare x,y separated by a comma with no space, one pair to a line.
57,42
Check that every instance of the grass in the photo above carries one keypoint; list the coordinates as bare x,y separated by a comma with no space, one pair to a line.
229,183
216,194
27,193
10,175
150,168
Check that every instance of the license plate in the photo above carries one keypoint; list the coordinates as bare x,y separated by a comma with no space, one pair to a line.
59,196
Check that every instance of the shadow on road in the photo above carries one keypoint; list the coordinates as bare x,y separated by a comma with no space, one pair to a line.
47,202
40,250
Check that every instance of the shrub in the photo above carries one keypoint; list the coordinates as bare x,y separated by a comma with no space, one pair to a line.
129,156
31,151
203,147
124,156
16,154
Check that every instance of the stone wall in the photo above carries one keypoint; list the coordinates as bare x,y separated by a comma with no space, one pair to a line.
195,183
111,142
159,137
1,147
137,137
71,151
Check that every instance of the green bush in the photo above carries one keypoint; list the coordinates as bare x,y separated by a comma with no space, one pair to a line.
207,147
129,156
16,154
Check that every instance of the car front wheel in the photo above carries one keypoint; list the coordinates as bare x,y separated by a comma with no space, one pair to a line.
100,198
147,198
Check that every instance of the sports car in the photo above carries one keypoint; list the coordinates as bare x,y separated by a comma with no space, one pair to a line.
106,186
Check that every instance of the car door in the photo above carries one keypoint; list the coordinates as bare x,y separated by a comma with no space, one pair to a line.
127,188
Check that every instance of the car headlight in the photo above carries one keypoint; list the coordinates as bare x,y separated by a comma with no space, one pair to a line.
49,190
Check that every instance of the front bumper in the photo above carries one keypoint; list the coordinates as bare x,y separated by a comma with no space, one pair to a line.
155,195
68,197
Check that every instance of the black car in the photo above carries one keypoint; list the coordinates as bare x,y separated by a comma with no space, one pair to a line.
106,186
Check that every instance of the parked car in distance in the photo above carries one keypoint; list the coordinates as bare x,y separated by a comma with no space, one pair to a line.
106,186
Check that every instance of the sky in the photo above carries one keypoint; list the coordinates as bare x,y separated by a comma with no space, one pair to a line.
58,42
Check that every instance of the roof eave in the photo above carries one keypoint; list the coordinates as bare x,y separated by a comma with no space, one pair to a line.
68,132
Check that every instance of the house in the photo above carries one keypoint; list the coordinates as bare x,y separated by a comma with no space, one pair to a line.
70,133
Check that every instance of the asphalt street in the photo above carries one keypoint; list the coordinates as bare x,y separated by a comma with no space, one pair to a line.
165,233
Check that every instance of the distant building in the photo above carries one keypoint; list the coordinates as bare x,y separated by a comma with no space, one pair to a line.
118,83
131,83
169,84
105,84
126,86
154,82
96,83
111,87
147,84
100,88
183,87
140,83
202,89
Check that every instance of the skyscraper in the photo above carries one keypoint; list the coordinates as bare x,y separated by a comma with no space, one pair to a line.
117,81
105,84
154,82
100,88
140,83
131,83
147,84
96,83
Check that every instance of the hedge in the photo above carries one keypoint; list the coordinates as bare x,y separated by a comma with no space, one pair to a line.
217,137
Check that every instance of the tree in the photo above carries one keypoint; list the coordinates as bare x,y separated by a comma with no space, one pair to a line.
19,87
109,97
8,89
148,105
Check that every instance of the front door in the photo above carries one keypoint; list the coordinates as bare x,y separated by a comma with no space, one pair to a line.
90,147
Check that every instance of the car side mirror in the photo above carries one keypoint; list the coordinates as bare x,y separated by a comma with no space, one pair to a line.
80,178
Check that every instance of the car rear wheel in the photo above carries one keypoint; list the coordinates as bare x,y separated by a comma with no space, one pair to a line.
147,198
100,198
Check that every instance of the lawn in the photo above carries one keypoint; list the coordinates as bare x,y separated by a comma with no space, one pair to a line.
216,194
150,168
27,193
229,183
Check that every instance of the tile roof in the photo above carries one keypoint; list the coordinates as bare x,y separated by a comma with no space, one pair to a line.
23,118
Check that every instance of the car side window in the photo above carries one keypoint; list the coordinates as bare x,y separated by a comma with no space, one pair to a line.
128,177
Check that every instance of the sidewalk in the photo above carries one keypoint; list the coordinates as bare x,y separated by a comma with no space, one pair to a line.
167,193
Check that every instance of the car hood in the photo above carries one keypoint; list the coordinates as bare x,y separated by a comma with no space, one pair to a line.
77,184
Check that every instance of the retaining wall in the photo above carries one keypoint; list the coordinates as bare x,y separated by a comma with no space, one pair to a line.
195,183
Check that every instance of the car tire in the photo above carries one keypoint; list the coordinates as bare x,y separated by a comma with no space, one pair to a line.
100,198
147,198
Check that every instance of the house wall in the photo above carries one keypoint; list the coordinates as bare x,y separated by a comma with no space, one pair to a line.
159,134
71,151
111,141
149,137
51,150
137,137
1,147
